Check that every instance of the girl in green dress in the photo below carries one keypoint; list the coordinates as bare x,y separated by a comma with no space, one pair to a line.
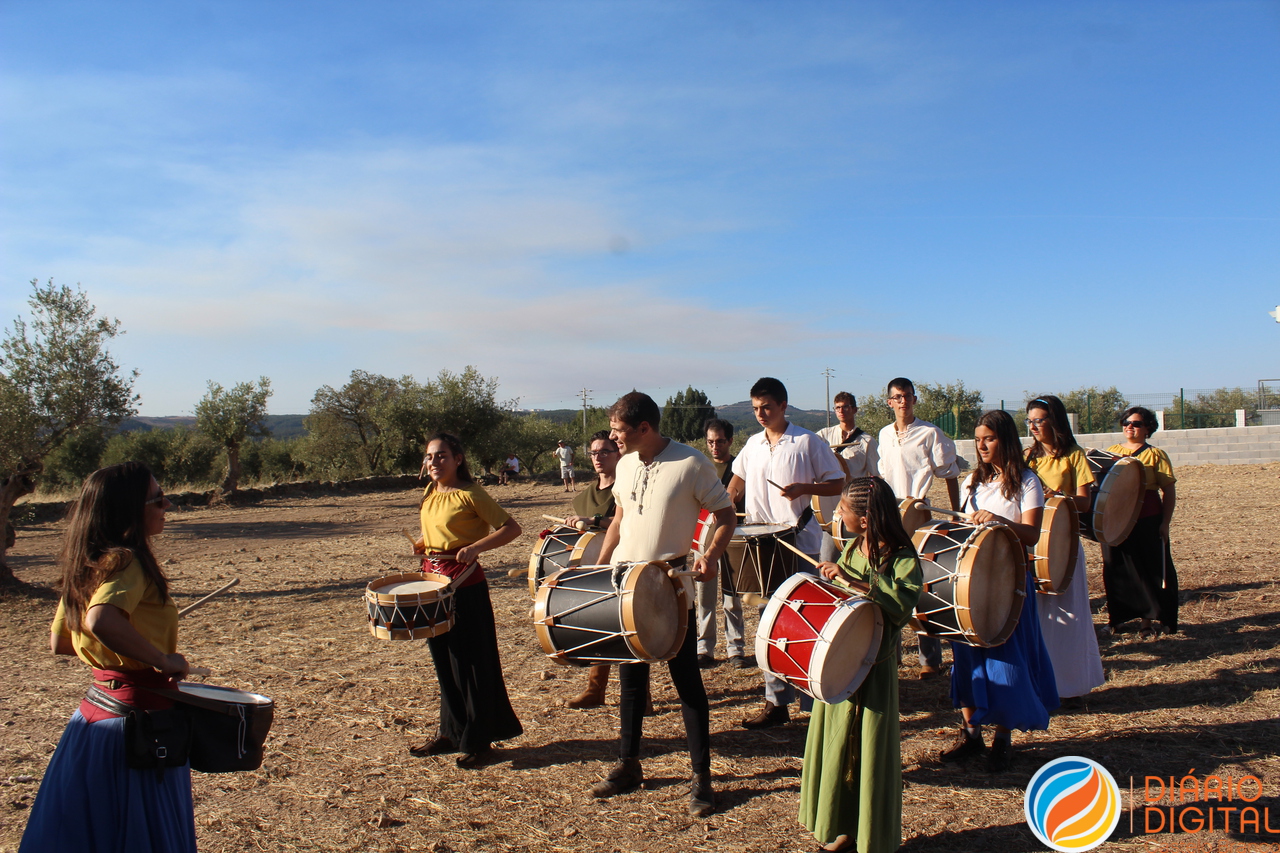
851,785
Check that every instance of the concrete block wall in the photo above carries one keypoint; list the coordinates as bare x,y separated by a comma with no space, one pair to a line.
1249,445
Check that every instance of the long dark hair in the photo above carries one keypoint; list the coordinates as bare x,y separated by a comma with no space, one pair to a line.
1058,426
1008,458
455,447
106,531
872,498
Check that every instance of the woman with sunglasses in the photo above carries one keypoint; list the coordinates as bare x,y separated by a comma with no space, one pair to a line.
457,516
1138,573
1065,620
1010,686
115,614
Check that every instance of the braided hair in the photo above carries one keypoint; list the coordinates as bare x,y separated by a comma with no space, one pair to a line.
873,499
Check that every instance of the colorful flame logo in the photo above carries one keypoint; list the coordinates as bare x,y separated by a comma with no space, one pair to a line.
1072,804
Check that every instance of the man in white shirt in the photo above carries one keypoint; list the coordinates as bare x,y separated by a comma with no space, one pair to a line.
912,453
859,451
719,434
778,472
661,486
565,454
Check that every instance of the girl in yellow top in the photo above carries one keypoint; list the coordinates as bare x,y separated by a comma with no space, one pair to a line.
115,614
456,516
1065,620
1138,573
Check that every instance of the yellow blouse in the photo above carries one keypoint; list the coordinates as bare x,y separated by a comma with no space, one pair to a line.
134,593
451,520
1065,473
1156,466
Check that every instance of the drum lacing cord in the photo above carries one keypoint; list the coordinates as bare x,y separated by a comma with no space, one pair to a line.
243,731
640,483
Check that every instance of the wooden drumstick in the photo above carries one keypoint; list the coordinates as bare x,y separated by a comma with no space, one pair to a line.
184,611
963,516
683,573
580,525
798,551
199,670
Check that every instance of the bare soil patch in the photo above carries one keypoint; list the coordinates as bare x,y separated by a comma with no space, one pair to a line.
338,777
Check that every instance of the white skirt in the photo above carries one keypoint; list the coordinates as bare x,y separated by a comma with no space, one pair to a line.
1067,627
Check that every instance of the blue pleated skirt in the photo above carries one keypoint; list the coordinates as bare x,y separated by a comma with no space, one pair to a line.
1011,685
90,801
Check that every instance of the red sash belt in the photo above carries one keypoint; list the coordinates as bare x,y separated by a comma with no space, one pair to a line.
126,686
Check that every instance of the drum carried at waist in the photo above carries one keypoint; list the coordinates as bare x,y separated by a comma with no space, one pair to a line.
819,638
1115,499
228,727
628,613
757,563
409,606
560,548
974,582
1054,557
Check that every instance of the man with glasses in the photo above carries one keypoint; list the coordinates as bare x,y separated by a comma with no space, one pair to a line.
912,453
719,435
594,508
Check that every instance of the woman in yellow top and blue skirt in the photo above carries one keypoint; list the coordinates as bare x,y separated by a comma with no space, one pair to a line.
1066,622
115,614
457,516
1138,573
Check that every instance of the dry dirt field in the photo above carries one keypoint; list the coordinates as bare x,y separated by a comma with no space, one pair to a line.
337,776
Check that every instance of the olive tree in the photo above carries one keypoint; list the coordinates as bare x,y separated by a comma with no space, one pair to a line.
230,417
56,377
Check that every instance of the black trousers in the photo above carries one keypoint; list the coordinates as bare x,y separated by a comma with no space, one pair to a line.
474,708
694,707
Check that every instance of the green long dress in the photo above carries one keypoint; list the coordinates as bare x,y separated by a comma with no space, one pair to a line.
851,783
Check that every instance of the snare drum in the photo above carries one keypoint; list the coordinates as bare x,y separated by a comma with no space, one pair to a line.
974,582
628,613
819,638
757,563
409,606
703,531
1054,558
228,727
561,548
1115,498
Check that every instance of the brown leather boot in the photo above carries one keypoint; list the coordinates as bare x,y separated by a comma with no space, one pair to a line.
593,696
769,716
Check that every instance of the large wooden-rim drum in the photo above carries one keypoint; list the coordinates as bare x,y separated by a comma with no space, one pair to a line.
974,582
628,613
1116,498
1058,546
756,561
915,514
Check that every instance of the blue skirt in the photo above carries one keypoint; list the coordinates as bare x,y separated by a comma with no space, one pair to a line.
1011,685
90,801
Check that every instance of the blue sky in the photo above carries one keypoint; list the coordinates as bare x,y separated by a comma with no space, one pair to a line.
1025,196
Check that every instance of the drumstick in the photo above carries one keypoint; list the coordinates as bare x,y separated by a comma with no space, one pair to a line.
798,551
184,611
771,483
581,525
963,516
199,670
687,573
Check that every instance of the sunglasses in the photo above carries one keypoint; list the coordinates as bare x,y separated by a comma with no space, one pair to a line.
1132,424
158,499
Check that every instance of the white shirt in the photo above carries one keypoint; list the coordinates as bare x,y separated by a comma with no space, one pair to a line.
990,497
909,464
863,454
566,456
660,502
798,457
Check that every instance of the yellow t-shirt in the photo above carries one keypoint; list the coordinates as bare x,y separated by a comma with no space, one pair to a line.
134,593
1065,473
451,520
1156,467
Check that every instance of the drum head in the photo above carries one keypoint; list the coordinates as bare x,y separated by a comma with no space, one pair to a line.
913,515
824,507
385,590
1058,546
415,587
746,531
223,694
1119,501
852,636
995,565
651,614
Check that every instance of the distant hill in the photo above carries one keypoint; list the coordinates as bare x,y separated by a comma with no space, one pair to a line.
281,426
738,414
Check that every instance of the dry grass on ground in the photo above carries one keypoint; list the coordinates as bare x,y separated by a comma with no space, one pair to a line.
338,778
